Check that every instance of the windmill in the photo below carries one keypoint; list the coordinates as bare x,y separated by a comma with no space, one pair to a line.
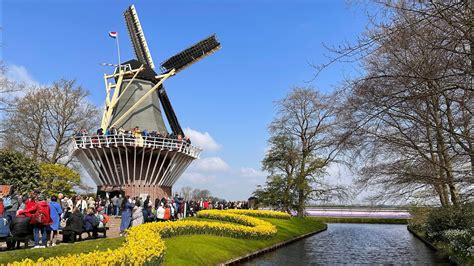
135,94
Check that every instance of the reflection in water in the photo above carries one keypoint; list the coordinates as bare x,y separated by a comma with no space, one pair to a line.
354,244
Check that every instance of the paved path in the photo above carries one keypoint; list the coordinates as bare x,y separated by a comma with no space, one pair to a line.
114,227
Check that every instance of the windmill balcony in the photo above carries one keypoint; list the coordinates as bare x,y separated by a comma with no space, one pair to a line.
93,142
134,164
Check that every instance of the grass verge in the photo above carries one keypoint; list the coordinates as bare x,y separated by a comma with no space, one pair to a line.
61,250
362,220
210,250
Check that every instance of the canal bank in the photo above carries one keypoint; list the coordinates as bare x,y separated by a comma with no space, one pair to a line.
249,256
433,247
354,244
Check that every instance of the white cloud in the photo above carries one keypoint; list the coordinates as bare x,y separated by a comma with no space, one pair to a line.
202,140
198,178
20,74
251,172
210,164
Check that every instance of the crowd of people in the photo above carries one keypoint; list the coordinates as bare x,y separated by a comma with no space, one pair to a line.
23,216
135,132
43,217
135,211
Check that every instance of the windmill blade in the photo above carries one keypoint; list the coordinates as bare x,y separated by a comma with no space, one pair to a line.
170,114
138,37
192,54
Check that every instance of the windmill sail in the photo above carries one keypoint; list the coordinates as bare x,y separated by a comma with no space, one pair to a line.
138,37
192,54
169,111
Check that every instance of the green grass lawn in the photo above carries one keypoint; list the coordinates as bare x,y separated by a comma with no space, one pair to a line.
182,250
61,250
210,250
362,220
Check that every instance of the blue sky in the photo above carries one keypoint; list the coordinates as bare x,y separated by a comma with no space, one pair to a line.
226,100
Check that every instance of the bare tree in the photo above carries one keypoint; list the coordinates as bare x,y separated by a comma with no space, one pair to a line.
411,113
186,193
8,88
309,120
27,130
198,194
43,121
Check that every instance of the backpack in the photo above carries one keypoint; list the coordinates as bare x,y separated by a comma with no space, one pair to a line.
106,218
7,202
4,227
39,217
95,222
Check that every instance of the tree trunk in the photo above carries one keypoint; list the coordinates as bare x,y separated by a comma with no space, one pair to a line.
444,159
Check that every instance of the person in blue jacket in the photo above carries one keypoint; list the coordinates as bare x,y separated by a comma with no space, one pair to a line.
127,207
55,212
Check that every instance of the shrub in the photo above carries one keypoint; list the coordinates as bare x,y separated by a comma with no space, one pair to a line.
449,218
461,241
419,218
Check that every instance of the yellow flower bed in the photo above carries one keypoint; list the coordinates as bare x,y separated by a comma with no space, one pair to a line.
144,244
262,213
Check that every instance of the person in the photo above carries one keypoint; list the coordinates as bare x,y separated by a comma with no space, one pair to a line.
109,207
12,207
29,205
41,219
21,228
55,213
127,208
2,208
81,204
60,200
91,203
74,226
115,203
146,203
67,202
157,203
102,203
147,208
137,216
167,214
160,213
91,223
101,217
176,204
172,211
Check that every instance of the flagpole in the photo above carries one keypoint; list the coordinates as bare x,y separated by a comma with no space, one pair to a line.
118,50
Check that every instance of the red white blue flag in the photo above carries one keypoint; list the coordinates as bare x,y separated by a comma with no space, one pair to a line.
113,34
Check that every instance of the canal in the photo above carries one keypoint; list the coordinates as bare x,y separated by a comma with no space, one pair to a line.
354,244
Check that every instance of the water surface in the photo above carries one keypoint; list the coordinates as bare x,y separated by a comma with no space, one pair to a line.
355,244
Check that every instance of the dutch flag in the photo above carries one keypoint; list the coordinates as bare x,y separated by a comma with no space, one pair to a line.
113,34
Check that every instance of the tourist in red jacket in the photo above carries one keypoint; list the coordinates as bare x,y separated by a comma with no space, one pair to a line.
41,219
2,208
30,206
